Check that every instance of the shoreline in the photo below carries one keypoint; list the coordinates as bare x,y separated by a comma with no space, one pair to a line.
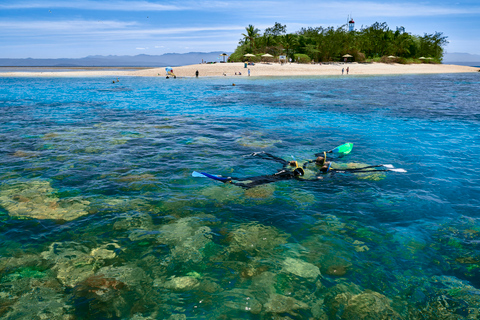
257,70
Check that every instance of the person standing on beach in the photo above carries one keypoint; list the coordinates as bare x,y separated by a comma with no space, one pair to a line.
343,70
249,72
348,68
196,73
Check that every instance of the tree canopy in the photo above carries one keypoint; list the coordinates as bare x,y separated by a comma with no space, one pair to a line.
330,44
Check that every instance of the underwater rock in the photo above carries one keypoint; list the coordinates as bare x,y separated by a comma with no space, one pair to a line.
73,272
49,136
301,268
132,276
23,261
254,237
99,287
303,198
140,220
187,239
35,199
118,141
328,224
24,273
136,177
73,262
191,249
337,297
260,192
451,298
100,297
256,142
338,270
138,316
264,285
360,246
144,236
282,304
369,305
241,300
178,283
251,271
372,176
105,252
125,204
40,303
223,193
25,154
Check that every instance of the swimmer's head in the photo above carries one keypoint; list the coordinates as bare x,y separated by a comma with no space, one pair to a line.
325,167
320,161
293,163
298,172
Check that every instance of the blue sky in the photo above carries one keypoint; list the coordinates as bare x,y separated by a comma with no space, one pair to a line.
78,28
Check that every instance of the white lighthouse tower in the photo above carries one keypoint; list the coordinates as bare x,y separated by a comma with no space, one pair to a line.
351,24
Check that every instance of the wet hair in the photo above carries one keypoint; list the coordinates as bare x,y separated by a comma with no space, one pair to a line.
325,167
320,161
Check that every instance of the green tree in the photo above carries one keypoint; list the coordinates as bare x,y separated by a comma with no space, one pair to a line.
277,30
250,36
289,41
329,44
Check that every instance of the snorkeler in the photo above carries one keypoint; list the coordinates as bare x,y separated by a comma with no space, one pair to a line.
291,170
250,182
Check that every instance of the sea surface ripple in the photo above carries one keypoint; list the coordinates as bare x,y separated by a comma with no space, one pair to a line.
99,210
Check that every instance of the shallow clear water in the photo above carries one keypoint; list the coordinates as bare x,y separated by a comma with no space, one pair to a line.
99,211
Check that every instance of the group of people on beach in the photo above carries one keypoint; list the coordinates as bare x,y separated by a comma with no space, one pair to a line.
225,74
343,70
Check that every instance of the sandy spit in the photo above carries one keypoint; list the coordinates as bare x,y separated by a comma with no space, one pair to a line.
263,70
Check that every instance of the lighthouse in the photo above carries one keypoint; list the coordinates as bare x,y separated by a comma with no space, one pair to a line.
351,24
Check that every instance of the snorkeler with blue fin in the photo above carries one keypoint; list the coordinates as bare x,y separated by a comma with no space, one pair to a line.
291,169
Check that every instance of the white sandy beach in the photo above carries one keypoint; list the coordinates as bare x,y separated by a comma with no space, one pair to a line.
263,70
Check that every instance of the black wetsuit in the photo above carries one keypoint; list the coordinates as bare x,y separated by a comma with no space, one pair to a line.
283,174
286,173
250,182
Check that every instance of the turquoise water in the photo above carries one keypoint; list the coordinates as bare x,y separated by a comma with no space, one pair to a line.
100,217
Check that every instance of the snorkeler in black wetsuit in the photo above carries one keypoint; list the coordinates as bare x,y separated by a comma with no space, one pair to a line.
284,174
298,172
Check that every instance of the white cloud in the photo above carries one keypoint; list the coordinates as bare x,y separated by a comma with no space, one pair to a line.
264,9
65,26
93,5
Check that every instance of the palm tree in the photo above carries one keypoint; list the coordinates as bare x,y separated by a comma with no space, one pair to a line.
289,41
251,35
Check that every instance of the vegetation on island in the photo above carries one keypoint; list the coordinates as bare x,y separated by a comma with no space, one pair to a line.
373,43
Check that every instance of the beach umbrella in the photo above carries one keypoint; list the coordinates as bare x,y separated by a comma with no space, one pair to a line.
249,55
224,55
347,56
391,57
421,58
267,56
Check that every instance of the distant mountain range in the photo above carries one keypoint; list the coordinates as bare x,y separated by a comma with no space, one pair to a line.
141,60
466,59
172,60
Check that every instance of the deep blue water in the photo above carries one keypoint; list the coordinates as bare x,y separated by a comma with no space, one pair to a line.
104,170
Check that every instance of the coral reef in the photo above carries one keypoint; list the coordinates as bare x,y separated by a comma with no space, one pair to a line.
35,199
